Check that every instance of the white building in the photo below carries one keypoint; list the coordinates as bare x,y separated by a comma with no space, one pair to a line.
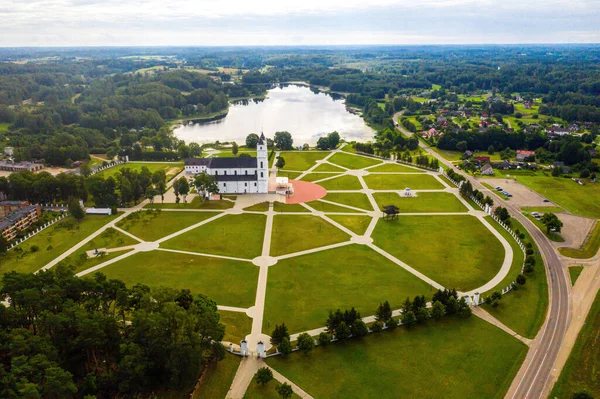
239,175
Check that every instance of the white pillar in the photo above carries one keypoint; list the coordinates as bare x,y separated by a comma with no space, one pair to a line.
260,349
244,348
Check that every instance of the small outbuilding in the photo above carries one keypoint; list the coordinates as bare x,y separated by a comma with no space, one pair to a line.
390,212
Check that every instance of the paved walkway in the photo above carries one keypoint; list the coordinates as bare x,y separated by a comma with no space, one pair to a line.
479,312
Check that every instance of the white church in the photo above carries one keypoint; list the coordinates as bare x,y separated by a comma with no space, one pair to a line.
239,175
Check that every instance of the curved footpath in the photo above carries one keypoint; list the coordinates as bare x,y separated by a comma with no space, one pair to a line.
532,379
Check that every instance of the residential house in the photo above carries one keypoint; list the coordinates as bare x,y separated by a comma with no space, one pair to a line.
487,170
523,156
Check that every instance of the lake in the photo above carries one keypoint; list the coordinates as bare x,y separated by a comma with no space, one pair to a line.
296,109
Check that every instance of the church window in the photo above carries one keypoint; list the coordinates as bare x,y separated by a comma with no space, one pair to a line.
262,174
225,172
261,164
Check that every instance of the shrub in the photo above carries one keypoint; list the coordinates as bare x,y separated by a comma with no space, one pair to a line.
324,339
521,279
34,248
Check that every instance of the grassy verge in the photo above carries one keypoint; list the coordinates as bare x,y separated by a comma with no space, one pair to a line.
588,249
195,204
293,233
574,272
552,236
218,378
237,325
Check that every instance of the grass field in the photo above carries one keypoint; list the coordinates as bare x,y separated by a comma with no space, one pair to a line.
237,325
289,175
574,272
171,169
588,249
357,200
294,233
261,207
394,167
455,251
51,242
218,378
110,238
201,274
423,202
581,370
317,176
302,160
357,224
452,359
580,200
352,161
245,230
400,182
326,207
281,207
267,391
523,310
327,167
155,224
341,183
352,275
196,203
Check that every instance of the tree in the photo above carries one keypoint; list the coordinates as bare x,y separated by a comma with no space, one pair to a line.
280,162
3,244
183,187
384,312
85,170
322,143
582,395
438,310
521,279
452,305
359,329
283,141
279,333
324,339
494,299
464,310
305,342
151,192
263,375
408,319
491,150
422,315
252,140
333,138
285,348
205,184
552,222
502,214
161,188
76,210
342,331
285,390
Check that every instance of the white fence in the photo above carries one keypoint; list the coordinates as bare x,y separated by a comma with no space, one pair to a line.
397,160
111,164
39,229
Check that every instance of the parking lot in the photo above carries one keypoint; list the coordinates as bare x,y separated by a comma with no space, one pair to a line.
521,195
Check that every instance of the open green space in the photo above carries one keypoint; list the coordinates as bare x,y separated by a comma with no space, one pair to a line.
357,224
353,275
423,202
394,167
213,277
51,243
400,182
455,251
352,161
245,230
289,175
294,233
589,248
227,152
317,176
451,358
171,169
261,207
267,391
196,203
217,378
109,238
552,236
4,126
357,200
281,207
523,310
302,160
327,207
327,167
578,199
574,272
154,224
344,182
237,325
581,370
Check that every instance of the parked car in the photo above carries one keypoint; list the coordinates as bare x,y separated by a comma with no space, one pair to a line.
499,189
546,200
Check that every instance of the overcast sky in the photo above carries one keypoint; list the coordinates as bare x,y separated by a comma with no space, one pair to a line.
297,22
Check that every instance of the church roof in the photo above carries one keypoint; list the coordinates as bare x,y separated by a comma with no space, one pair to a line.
253,177
223,163
261,139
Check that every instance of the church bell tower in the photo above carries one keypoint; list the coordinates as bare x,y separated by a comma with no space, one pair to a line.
262,164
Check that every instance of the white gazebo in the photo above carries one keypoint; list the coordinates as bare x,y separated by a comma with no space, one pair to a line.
407,192
283,186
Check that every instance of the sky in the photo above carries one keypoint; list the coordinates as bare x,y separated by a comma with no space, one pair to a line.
297,22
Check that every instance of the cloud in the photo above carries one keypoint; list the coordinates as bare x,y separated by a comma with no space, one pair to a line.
243,22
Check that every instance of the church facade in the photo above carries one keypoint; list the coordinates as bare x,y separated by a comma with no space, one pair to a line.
239,175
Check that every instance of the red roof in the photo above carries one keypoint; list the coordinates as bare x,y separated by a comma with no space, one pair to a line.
524,152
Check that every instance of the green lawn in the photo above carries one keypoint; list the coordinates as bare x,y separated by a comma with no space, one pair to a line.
289,175
327,167
455,251
171,169
302,290
357,200
261,207
400,182
294,233
394,167
281,207
110,238
344,182
524,310
4,126
581,370
213,277
237,325
588,249
154,224
574,272
194,204
302,160
51,242
423,202
352,161
357,224
452,359
218,378
326,207
267,391
245,230
580,200
317,176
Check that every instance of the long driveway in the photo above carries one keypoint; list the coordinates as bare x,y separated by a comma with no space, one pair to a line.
531,380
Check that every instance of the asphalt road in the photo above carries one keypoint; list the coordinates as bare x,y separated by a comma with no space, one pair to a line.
531,380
